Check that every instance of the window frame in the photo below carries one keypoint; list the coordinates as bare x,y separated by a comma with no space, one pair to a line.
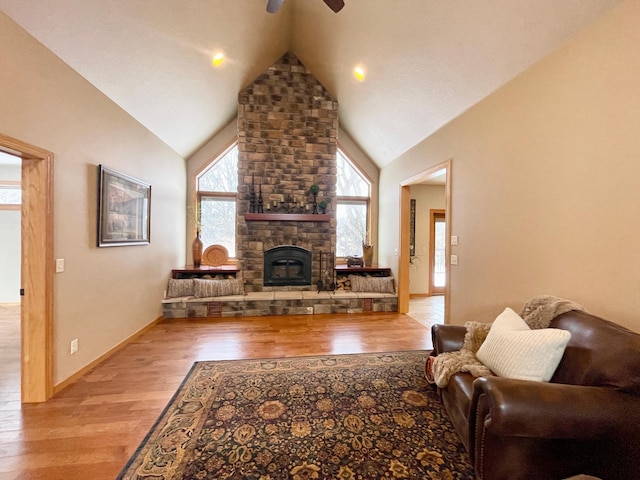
355,200
11,185
224,196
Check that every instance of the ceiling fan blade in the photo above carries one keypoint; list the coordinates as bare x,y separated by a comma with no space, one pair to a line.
273,5
335,5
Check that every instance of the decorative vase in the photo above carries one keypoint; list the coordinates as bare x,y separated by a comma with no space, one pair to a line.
367,255
196,250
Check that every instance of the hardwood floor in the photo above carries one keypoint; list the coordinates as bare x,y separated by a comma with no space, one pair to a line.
9,355
89,430
428,310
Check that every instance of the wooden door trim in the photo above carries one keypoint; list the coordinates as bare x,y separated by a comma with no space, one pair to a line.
433,213
36,269
403,260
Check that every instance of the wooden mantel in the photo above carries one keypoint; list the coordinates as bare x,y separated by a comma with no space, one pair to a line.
286,217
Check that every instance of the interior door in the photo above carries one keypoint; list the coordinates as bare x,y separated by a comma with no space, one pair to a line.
437,258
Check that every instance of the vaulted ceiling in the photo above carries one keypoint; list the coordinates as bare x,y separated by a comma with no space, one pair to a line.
426,61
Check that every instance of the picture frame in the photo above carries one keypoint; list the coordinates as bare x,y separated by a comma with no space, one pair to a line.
412,228
124,209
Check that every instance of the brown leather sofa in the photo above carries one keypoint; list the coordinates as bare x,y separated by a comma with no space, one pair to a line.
586,420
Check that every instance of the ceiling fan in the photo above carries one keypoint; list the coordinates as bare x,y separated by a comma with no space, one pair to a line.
335,5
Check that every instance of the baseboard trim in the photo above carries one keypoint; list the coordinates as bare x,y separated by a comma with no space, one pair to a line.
84,370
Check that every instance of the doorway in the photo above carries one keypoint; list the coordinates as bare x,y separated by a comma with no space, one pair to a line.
10,211
36,269
443,171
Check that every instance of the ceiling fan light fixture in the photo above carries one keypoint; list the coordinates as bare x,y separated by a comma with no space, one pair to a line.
359,73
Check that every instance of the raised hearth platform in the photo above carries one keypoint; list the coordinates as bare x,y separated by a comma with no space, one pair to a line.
279,303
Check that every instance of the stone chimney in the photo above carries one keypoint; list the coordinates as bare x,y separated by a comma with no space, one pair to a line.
287,141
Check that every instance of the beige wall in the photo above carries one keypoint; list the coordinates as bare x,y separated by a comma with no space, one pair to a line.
105,294
427,197
545,173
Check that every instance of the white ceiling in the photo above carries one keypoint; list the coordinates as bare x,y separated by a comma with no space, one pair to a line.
427,61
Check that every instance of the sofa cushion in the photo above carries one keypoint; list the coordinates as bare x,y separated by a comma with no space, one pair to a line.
180,288
513,350
217,288
600,353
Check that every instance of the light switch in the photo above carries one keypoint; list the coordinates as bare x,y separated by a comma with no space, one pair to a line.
454,240
59,265
454,259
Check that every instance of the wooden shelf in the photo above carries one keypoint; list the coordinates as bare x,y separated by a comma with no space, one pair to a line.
286,217
374,270
190,272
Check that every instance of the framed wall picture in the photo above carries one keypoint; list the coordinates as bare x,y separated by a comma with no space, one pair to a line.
412,229
124,209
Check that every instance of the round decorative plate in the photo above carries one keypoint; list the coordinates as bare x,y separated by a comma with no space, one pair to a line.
215,255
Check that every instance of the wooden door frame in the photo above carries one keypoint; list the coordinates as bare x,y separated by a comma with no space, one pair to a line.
36,269
405,216
433,213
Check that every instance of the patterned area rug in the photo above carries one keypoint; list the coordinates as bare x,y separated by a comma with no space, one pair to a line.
365,417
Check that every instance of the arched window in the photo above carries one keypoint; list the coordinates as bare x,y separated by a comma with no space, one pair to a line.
353,193
217,189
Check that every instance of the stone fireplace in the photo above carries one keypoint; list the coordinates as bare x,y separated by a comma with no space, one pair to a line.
287,265
287,141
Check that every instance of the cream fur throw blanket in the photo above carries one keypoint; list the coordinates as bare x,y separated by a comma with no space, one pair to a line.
537,313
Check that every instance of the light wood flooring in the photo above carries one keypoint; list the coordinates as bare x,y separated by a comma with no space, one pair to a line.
428,310
89,430
9,355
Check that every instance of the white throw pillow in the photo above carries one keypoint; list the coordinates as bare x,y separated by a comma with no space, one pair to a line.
513,350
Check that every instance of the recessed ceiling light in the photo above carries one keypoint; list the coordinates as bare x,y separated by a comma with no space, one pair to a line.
217,59
358,72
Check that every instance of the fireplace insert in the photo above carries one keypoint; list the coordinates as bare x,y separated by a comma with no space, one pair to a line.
287,265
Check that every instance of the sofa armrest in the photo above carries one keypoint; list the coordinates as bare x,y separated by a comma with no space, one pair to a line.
550,410
447,338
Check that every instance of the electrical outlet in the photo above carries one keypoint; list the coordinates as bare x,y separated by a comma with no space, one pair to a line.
74,346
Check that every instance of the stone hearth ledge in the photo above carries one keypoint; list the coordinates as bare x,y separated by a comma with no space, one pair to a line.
279,303
280,295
